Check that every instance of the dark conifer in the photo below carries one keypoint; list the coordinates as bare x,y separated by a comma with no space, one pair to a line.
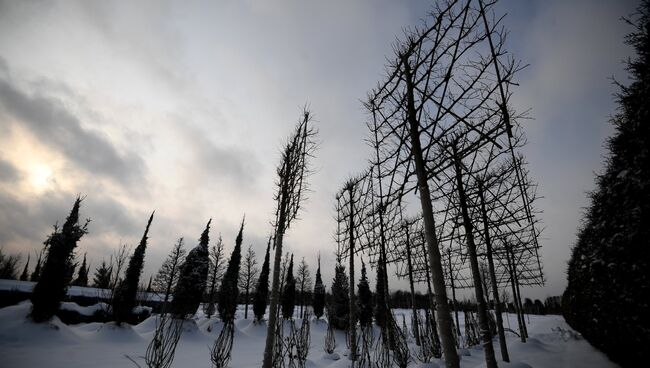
25,275
70,269
192,278
318,302
102,277
37,269
82,277
381,300
608,295
364,301
51,287
149,288
228,292
288,299
261,298
127,291
338,311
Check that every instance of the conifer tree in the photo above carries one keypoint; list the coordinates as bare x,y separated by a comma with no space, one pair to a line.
318,303
228,291
288,299
70,269
51,287
381,300
167,276
149,286
262,290
192,278
37,269
607,298
102,277
25,275
364,301
126,293
338,310
82,277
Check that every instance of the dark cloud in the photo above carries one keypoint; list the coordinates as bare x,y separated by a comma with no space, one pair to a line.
56,126
231,163
8,172
236,165
31,221
110,216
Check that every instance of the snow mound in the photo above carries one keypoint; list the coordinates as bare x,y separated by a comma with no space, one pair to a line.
142,309
192,332
16,328
147,326
333,356
252,329
84,311
112,333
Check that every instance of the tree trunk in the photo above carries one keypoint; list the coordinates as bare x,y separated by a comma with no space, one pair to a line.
486,336
521,307
246,302
416,328
432,303
453,298
353,304
511,272
444,318
493,277
275,290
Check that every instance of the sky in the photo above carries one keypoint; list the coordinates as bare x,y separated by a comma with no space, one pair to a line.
182,107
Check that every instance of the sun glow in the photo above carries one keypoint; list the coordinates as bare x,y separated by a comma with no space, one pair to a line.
41,176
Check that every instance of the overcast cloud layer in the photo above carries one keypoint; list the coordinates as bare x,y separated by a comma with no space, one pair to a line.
182,107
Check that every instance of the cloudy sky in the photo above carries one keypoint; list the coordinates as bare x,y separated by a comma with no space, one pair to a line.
182,107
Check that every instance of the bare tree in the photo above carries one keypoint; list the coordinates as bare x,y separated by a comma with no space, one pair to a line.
248,276
303,279
117,263
167,275
291,187
215,273
9,266
438,119
350,209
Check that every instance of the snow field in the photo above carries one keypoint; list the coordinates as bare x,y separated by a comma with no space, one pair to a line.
105,345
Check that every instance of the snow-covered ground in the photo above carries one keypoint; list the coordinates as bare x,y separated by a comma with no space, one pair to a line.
104,345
